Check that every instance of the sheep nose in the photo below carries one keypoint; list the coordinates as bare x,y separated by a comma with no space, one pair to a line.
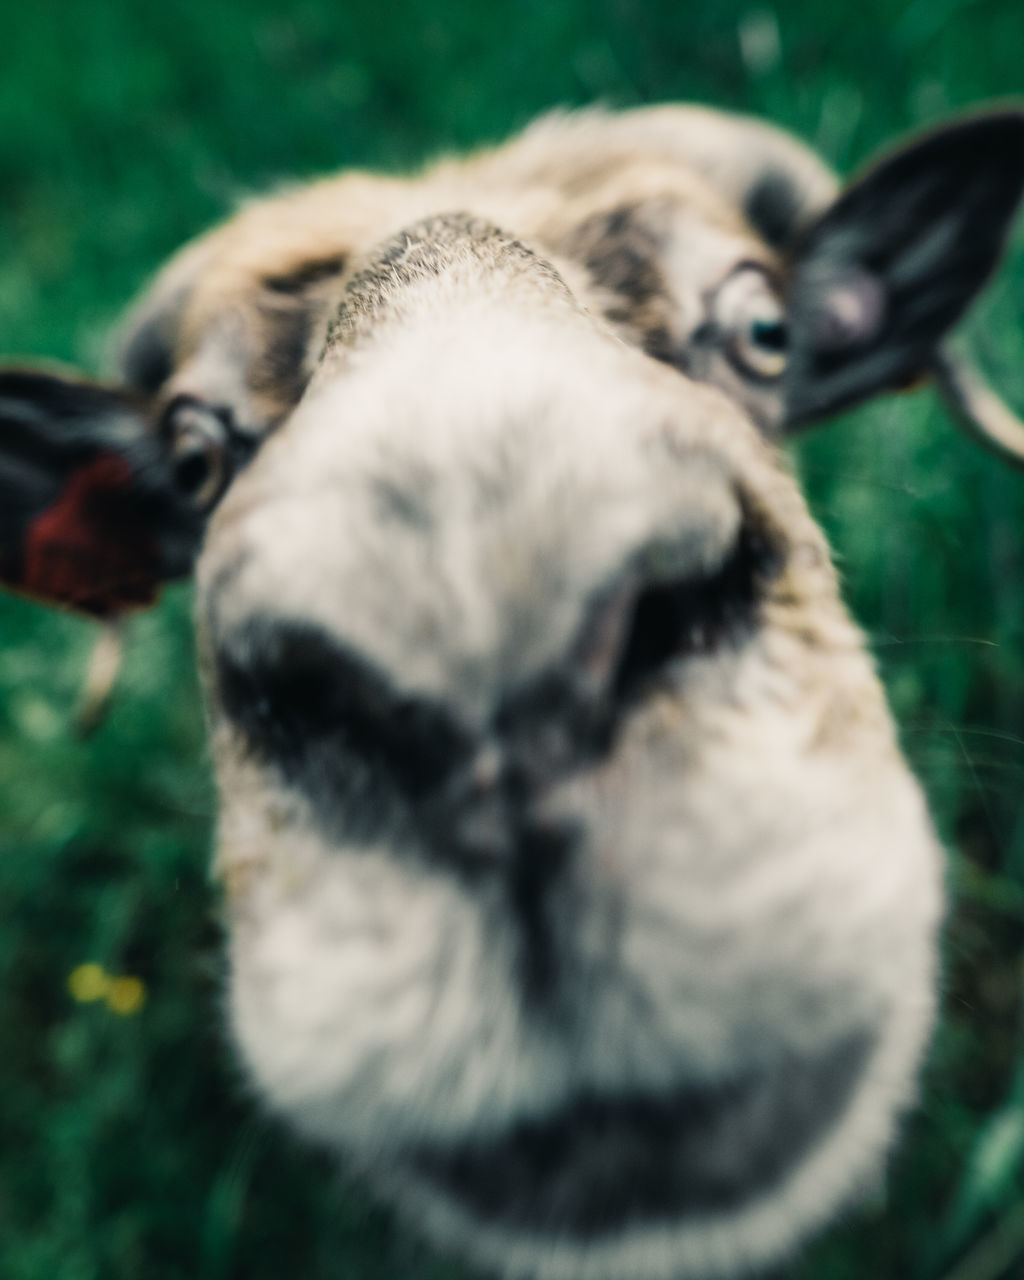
313,705
566,718
490,815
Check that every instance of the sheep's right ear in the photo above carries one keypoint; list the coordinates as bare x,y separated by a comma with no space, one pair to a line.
894,263
98,505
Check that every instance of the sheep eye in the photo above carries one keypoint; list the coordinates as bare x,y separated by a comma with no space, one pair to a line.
750,318
200,448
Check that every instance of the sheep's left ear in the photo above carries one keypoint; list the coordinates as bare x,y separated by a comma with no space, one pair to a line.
98,505
893,264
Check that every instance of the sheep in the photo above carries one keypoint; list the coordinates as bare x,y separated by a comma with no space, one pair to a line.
578,894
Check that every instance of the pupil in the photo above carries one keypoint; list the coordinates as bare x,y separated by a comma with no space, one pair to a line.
770,334
191,473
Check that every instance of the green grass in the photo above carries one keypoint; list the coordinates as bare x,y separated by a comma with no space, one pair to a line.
129,1147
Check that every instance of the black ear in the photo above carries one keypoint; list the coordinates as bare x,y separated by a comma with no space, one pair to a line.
93,514
897,259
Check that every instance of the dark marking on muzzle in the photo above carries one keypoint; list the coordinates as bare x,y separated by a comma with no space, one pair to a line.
300,278
602,1164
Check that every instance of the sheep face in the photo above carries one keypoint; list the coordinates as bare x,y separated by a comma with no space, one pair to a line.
578,891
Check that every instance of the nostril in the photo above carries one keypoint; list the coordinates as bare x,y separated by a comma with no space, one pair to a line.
308,705
692,614
192,473
422,747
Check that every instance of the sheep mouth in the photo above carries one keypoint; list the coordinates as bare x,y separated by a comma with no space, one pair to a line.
602,1164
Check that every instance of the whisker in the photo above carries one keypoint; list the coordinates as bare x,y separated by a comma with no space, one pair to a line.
880,642
965,731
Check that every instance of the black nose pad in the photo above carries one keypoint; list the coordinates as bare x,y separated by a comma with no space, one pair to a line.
481,832
471,815
493,817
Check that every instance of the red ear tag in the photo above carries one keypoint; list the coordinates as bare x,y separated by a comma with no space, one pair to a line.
86,551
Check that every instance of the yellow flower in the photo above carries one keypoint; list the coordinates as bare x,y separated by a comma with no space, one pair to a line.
126,995
88,982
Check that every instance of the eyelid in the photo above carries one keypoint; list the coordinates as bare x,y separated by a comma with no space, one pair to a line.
757,276
771,275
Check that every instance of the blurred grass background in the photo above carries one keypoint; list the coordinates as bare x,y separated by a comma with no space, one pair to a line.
129,1149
